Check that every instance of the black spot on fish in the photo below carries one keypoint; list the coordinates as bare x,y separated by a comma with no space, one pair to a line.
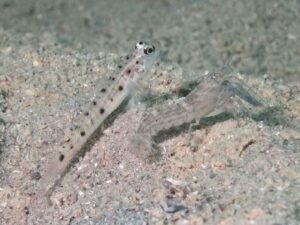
61,157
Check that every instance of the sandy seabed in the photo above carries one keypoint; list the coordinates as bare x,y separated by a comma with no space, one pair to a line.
55,56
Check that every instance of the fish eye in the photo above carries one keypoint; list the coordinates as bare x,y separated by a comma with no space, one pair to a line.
139,45
149,50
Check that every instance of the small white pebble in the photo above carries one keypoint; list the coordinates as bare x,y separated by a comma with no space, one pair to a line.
292,37
279,188
81,167
80,193
36,63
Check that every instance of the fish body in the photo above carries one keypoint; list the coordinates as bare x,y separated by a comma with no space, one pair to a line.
143,58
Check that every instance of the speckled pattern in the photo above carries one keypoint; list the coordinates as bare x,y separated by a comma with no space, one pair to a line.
55,56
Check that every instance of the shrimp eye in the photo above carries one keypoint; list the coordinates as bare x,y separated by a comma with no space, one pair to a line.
149,50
